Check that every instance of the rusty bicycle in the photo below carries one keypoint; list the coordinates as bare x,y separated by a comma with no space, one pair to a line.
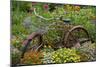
72,36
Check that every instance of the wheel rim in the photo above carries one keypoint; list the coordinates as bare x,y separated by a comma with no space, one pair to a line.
35,38
74,37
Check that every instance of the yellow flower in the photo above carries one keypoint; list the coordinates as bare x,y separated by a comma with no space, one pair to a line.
77,8
49,46
45,46
64,61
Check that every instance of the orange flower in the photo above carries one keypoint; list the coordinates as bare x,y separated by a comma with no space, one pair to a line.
32,56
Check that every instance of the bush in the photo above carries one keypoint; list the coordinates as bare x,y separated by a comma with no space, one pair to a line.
64,55
86,18
15,56
16,41
17,20
32,57
87,52
47,55
20,5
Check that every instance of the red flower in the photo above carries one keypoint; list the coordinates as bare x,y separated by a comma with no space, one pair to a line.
33,3
45,6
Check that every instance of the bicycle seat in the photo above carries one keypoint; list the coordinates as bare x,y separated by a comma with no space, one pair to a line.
67,21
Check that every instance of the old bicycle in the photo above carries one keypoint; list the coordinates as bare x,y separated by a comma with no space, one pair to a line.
72,36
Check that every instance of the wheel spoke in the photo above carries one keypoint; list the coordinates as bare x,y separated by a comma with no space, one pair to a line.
76,35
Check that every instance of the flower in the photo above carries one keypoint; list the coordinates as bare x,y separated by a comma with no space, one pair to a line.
77,8
33,3
45,6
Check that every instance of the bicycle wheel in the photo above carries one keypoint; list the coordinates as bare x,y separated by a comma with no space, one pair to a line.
33,42
76,36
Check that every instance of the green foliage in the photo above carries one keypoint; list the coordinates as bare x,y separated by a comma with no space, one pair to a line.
47,55
52,37
64,55
15,56
17,17
21,6
86,18
87,52
18,30
16,41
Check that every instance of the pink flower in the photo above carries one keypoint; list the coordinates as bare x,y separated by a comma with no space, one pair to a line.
33,3
45,6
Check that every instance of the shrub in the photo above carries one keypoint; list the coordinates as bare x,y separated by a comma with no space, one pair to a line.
64,55
86,18
17,20
47,55
87,52
32,57
20,5
15,56
16,41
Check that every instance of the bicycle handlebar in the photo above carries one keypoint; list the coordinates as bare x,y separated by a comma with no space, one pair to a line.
36,14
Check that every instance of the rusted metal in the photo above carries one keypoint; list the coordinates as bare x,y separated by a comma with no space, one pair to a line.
69,33
62,43
31,37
